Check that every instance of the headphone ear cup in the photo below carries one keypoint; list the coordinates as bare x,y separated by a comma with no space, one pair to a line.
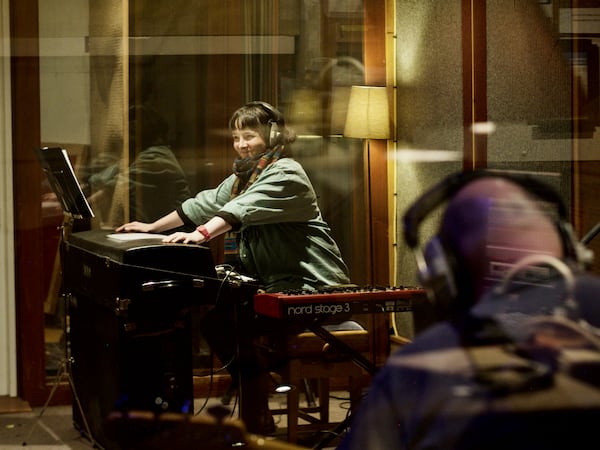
438,277
274,134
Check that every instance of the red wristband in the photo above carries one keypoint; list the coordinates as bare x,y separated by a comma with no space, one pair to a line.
204,232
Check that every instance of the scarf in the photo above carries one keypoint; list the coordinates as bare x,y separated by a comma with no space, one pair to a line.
249,169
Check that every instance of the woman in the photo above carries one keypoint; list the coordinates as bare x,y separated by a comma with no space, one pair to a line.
268,210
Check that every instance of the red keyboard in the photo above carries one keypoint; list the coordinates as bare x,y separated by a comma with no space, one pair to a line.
327,303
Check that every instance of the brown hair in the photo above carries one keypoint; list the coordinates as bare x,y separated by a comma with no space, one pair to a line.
261,116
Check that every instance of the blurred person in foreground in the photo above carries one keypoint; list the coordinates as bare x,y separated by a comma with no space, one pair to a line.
487,375
274,232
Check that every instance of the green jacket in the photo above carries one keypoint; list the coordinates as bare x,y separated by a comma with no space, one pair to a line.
284,242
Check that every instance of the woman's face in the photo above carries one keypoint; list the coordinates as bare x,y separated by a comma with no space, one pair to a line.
248,142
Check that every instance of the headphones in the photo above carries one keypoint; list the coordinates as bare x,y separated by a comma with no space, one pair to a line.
440,270
275,125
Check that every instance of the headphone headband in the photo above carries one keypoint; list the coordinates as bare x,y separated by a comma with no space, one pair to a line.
446,189
440,267
273,112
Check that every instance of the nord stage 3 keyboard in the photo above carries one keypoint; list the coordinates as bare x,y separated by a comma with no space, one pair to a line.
354,300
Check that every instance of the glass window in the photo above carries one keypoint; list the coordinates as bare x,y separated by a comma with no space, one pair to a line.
140,94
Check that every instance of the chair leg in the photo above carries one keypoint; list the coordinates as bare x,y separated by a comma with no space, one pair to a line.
310,395
324,400
293,403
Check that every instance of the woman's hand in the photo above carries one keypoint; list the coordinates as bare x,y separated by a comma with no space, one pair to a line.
195,237
168,222
139,227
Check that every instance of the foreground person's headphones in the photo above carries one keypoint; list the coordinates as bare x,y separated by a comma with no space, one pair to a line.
440,270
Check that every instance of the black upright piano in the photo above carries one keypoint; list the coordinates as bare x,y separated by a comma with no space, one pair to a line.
129,305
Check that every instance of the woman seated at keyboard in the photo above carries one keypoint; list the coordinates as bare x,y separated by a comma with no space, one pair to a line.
274,231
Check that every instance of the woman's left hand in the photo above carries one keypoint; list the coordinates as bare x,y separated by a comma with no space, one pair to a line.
195,237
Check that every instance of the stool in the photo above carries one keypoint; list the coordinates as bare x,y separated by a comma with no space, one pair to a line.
310,358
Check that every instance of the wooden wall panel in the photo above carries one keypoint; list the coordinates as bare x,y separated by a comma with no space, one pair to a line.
27,201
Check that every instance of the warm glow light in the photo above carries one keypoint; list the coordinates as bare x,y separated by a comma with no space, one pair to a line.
339,108
426,155
413,26
283,389
368,113
305,112
483,127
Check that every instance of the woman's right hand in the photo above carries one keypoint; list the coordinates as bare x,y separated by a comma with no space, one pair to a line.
139,227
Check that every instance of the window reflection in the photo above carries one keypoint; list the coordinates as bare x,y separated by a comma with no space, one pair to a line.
153,185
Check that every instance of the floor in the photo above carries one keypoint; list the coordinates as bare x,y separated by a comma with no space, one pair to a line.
53,429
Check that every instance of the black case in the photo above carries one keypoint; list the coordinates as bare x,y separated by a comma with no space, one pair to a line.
130,308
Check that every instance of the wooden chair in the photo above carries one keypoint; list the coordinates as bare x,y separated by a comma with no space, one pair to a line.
312,359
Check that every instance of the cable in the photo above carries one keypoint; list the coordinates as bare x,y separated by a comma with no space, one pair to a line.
212,370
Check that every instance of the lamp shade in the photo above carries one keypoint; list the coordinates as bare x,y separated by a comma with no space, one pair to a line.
368,113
